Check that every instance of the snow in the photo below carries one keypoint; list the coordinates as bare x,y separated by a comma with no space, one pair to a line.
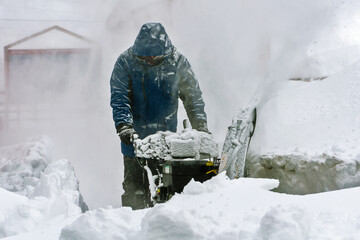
21,165
168,145
314,118
43,191
103,224
228,209
306,134
51,232
303,174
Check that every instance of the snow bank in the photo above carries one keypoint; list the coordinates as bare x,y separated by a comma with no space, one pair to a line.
228,209
302,174
48,233
168,145
308,136
313,118
21,166
43,191
104,224
190,215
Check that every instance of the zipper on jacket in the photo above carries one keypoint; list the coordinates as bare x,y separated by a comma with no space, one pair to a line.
143,88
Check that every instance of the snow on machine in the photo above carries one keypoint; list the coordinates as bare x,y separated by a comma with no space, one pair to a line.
233,157
171,160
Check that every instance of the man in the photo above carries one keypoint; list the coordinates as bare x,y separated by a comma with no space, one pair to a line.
146,83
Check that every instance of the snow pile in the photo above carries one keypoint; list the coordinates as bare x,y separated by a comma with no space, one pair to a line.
308,136
43,191
21,166
302,174
168,145
104,224
313,118
228,209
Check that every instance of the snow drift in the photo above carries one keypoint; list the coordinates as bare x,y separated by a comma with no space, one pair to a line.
228,209
303,174
36,191
308,136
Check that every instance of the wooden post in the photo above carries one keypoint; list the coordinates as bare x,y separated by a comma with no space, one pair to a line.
18,115
7,86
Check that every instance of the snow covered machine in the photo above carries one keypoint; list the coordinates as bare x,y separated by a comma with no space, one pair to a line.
171,160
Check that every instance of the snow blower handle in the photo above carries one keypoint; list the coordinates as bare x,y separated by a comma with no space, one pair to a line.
186,124
135,137
146,165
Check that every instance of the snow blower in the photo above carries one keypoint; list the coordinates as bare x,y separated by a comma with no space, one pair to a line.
171,160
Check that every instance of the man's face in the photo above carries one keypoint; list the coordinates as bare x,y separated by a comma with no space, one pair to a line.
151,60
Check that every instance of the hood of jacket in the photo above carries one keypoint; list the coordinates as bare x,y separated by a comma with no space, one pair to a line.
152,40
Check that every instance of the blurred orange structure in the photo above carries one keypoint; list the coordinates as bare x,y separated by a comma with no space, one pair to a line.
38,71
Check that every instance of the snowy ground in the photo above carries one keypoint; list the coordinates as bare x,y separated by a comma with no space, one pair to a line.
221,209
224,209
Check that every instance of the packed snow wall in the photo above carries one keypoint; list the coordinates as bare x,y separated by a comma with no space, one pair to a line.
302,174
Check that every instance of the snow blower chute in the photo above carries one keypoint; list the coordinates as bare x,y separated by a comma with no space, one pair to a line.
233,157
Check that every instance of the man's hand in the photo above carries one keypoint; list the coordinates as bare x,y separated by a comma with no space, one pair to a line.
202,127
126,133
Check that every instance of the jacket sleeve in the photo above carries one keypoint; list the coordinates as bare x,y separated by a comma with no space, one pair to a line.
120,84
191,95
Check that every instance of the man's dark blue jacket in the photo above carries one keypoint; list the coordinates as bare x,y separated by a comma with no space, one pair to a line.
146,96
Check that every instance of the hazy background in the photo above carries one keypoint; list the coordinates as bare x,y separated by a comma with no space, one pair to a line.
233,46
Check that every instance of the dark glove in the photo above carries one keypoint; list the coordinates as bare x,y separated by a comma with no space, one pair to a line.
126,133
202,127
